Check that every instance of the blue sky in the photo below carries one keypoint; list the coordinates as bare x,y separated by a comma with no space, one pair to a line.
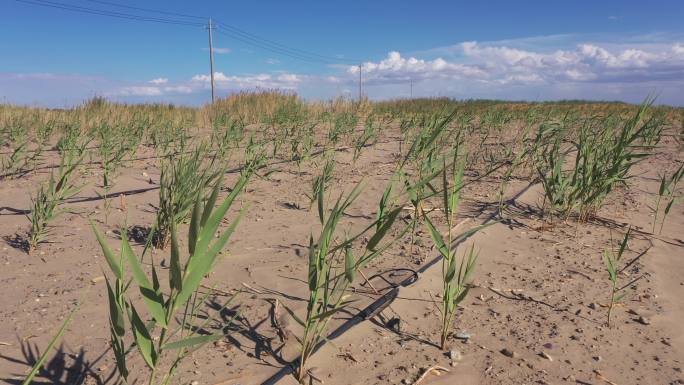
533,50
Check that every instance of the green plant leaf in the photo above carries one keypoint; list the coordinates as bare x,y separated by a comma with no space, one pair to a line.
43,357
175,273
313,265
116,315
192,341
384,227
151,294
143,339
294,316
114,265
349,264
437,238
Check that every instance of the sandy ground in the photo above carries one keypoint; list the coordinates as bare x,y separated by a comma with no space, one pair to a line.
536,314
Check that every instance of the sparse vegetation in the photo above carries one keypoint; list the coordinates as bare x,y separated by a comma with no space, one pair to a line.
434,165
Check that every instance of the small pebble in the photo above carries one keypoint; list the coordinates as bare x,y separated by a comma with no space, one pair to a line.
509,353
463,335
455,355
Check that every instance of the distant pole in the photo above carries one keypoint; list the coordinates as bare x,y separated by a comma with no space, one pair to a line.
211,60
359,82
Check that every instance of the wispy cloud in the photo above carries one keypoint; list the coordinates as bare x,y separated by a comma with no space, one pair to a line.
140,91
263,80
159,81
219,50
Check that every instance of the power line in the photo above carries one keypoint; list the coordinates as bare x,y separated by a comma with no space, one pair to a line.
282,46
148,9
222,28
268,47
120,15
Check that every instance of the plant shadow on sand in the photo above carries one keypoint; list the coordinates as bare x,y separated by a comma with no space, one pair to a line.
63,368
17,241
248,329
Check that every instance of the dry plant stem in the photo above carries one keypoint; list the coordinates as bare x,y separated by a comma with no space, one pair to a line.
434,368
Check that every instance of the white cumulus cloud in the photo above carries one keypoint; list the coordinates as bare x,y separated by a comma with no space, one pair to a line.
587,62
264,80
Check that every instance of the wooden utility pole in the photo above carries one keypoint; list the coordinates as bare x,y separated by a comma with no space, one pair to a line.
211,60
360,82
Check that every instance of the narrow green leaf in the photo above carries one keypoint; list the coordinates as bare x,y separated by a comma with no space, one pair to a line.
116,268
320,201
43,357
201,263
192,341
150,292
382,230
437,238
349,264
116,315
313,265
143,339
294,316
195,224
175,273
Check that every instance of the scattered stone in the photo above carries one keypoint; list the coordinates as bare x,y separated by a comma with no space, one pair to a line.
593,306
97,279
643,320
546,356
455,355
395,325
548,345
463,335
509,353
195,382
597,358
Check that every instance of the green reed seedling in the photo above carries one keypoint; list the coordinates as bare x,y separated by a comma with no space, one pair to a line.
367,137
612,261
455,281
320,181
49,196
668,190
332,268
173,313
182,180
604,154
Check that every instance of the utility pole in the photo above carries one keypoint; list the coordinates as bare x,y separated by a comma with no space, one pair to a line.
360,82
211,60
